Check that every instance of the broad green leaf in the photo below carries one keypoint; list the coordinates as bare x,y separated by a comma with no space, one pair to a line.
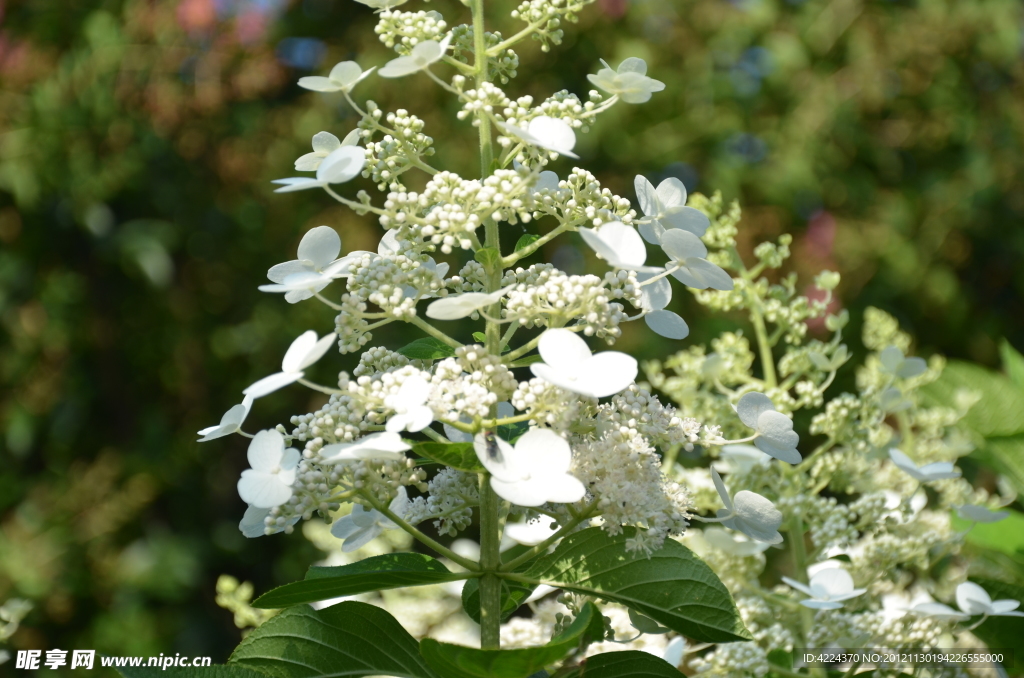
673,586
390,571
216,671
627,664
512,597
489,257
456,661
998,413
1007,535
1003,632
460,456
1013,363
427,348
526,240
1005,456
527,360
347,639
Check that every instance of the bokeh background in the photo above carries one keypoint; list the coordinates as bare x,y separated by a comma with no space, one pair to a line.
137,142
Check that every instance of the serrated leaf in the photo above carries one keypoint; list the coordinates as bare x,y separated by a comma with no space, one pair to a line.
673,586
215,671
489,257
456,661
1013,363
526,240
427,348
377,573
512,597
527,360
460,456
347,639
627,664
998,413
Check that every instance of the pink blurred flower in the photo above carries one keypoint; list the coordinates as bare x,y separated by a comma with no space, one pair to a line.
197,16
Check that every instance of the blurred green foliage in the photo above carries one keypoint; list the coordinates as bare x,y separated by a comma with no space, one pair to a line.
137,140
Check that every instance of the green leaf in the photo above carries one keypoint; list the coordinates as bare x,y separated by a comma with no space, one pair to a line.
528,360
512,597
480,336
1005,456
1002,632
1013,363
456,661
998,413
627,664
347,639
460,456
215,671
390,571
1007,535
489,257
511,432
526,241
427,348
673,586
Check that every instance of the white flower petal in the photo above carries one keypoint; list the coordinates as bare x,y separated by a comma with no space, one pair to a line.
656,295
497,456
667,324
343,164
266,449
279,272
308,162
816,604
345,527
688,219
972,512
723,492
673,653
939,611
553,134
563,348
297,351
671,194
620,245
320,246
682,245
973,599
346,73
318,83
751,406
793,583
647,196
460,305
318,350
325,142
757,517
361,538
296,184
262,490
532,532
268,385
541,448
253,522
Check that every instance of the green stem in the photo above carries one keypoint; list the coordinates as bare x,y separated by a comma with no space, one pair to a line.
490,561
419,536
511,259
432,331
767,360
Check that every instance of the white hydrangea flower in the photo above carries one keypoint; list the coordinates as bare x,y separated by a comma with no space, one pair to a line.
972,512
230,423
409,404
269,482
939,470
342,78
569,364
654,298
620,245
254,522
828,588
973,599
894,362
324,143
317,266
749,513
630,82
687,252
732,543
423,55
384,446
363,525
775,434
456,306
674,651
531,532
545,132
302,353
342,164
534,472
665,208
381,5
